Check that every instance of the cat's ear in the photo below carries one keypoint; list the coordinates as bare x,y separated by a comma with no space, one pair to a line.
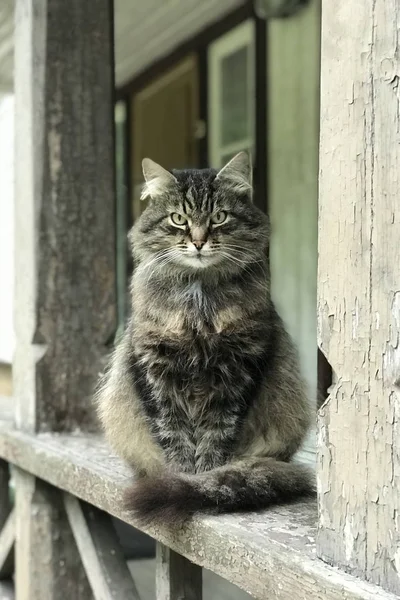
157,179
238,173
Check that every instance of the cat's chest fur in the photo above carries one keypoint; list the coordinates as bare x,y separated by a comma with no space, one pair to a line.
198,351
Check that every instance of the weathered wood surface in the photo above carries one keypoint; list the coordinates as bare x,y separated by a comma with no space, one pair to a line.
177,578
7,540
359,289
7,529
270,555
7,590
100,551
48,565
64,219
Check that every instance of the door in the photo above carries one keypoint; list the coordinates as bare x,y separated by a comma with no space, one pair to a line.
164,118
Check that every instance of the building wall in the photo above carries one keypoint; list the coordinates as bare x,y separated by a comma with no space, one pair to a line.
293,104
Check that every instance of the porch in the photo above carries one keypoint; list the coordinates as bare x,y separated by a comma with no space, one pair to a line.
68,484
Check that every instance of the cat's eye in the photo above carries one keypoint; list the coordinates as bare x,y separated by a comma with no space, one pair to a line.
178,219
219,217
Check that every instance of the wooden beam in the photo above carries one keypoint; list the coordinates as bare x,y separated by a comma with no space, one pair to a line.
7,540
48,566
100,550
64,260
270,554
176,577
7,590
64,219
7,527
359,289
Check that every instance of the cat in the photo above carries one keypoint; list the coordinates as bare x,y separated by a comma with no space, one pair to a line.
203,396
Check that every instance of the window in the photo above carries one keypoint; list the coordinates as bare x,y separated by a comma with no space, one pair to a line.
231,99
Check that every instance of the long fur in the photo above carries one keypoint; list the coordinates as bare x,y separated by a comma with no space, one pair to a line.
172,499
204,397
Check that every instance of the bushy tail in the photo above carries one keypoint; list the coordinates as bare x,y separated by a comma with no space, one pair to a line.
255,484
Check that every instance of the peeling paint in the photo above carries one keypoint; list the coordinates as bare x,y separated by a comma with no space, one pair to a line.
355,319
348,540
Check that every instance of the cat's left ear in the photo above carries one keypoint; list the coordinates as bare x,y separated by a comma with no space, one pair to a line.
158,180
238,173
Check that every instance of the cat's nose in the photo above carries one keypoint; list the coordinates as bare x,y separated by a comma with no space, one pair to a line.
199,244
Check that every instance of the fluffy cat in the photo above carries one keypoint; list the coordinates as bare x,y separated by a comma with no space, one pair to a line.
203,396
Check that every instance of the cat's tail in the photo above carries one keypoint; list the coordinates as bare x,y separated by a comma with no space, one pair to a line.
252,484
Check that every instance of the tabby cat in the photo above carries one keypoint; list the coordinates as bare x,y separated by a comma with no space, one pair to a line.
203,396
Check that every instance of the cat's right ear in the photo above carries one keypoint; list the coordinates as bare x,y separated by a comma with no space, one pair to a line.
157,179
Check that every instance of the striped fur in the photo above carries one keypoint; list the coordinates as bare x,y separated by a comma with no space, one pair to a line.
203,396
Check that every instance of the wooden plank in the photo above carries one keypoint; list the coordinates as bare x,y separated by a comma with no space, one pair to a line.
176,577
359,289
100,551
7,530
64,218
7,540
266,554
48,566
7,590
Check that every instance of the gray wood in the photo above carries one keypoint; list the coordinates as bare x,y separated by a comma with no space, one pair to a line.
7,590
64,219
177,578
359,289
269,555
214,586
7,533
7,541
48,566
100,551
5,504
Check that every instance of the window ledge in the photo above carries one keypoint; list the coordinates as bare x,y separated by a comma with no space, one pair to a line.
269,555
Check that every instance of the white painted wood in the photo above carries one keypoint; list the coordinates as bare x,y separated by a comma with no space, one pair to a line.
292,134
359,289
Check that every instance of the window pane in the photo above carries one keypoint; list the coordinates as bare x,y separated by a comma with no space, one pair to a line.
235,97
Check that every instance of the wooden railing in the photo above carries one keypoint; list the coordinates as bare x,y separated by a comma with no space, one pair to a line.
64,473
269,555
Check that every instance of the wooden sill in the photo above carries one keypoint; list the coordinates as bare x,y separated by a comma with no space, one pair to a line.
269,555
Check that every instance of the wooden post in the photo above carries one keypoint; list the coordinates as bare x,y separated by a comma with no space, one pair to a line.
7,524
359,289
64,221
176,577
100,550
64,263
47,560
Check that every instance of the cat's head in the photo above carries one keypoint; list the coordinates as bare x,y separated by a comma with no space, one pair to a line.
200,220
